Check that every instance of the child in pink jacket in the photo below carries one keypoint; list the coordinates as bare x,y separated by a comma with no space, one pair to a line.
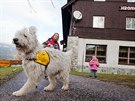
94,64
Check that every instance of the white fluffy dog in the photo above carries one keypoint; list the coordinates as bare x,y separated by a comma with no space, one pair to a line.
60,62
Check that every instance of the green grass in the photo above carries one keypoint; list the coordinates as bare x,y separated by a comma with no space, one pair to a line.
80,73
8,72
125,80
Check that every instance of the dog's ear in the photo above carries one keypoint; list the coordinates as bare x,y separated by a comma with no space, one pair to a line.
32,30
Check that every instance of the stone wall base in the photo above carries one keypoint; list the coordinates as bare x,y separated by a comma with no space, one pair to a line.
105,70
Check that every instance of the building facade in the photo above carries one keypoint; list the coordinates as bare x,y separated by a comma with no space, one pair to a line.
106,30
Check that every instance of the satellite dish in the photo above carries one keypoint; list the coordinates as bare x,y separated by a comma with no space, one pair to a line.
77,15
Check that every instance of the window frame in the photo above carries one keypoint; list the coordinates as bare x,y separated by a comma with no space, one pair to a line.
130,1
128,58
95,52
94,22
131,26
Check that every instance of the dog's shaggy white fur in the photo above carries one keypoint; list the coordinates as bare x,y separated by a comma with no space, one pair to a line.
60,62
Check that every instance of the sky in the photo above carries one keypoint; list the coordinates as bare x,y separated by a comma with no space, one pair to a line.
17,14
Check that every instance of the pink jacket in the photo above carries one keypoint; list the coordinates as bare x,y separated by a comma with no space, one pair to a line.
93,65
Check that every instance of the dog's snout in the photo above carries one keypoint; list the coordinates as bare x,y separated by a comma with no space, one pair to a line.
15,39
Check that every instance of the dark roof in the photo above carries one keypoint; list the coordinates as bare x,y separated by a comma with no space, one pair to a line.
70,2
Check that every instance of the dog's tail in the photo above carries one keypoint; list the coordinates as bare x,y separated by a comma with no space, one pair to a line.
69,53
72,53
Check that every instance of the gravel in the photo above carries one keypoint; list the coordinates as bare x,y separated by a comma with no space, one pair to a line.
81,89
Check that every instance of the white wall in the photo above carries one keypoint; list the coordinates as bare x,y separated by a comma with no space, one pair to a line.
112,51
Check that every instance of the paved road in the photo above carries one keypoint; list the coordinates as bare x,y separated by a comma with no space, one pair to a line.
81,89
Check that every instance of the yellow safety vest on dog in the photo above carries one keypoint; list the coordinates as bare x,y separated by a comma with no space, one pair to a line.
42,57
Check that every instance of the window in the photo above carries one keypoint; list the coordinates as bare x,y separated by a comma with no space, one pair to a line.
130,0
97,50
98,21
99,0
127,55
130,23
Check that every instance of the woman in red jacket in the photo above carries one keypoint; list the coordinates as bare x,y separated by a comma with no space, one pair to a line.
53,42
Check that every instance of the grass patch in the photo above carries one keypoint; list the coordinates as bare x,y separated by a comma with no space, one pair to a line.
8,72
125,80
80,73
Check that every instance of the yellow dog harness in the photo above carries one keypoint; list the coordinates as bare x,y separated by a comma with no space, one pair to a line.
42,57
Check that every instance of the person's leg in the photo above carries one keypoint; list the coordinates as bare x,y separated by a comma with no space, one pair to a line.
91,72
95,73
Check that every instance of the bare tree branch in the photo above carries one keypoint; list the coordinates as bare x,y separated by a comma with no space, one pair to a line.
52,4
31,6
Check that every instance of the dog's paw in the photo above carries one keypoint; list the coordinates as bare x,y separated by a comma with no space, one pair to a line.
65,88
17,93
48,89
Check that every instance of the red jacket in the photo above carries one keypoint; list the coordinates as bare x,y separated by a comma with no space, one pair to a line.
51,41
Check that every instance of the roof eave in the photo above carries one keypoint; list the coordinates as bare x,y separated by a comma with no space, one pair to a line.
68,4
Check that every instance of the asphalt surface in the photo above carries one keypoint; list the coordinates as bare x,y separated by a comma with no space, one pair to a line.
81,89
